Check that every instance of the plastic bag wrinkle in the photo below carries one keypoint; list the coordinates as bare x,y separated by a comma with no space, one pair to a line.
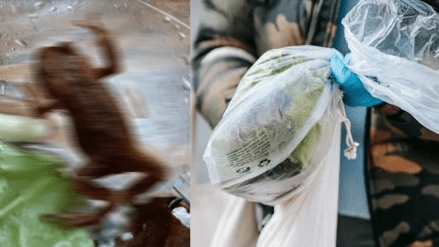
287,101
394,50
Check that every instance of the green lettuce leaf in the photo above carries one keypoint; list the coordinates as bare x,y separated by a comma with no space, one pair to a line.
32,185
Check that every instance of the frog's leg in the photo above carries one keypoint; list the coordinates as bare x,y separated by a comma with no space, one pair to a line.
85,186
99,167
104,41
39,101
79,219
46,105
140,161
136,161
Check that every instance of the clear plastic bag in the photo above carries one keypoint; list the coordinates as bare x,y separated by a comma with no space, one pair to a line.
394,50
277,127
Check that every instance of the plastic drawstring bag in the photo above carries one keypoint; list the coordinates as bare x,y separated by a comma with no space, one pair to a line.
395,51
277,129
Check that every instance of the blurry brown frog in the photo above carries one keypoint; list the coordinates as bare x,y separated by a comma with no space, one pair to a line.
103,135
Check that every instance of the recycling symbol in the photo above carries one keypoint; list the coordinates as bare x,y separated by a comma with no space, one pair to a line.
264,162
243,170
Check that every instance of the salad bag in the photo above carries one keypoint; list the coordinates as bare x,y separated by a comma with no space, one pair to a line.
279,143
278,128
394,50
307,219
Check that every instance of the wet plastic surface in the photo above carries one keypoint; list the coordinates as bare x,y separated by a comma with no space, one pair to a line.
153,86
154,48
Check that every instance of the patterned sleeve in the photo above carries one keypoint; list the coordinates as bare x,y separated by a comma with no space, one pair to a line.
223,51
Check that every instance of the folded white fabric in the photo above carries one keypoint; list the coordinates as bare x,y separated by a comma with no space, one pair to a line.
308,219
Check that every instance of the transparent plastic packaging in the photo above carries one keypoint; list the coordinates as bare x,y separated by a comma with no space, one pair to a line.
394,50
277,128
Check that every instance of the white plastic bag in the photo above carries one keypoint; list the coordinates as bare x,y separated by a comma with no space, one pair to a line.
265,147
307,219
395,51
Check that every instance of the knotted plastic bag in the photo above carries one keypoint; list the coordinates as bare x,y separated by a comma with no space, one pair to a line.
278,127
395,51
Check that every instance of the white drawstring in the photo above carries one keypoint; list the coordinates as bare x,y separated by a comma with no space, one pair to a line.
350,152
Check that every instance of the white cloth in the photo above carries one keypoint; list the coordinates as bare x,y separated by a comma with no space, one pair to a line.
308,219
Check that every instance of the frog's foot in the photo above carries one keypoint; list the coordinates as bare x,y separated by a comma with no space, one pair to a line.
78,219
104,42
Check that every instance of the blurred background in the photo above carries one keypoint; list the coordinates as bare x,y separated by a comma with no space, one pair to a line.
153,88
152,37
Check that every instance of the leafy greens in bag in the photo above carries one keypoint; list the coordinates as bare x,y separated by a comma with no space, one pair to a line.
271,127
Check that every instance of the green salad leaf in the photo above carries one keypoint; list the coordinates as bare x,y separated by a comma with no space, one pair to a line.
31,185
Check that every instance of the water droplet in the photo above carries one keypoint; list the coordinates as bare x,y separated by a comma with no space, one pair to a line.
186,83
38,5
21,42
182,35
13,48
69,8
177,26
53,9
167,19
2,88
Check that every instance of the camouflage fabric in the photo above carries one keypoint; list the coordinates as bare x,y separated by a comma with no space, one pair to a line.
403,164
403,179
234,33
